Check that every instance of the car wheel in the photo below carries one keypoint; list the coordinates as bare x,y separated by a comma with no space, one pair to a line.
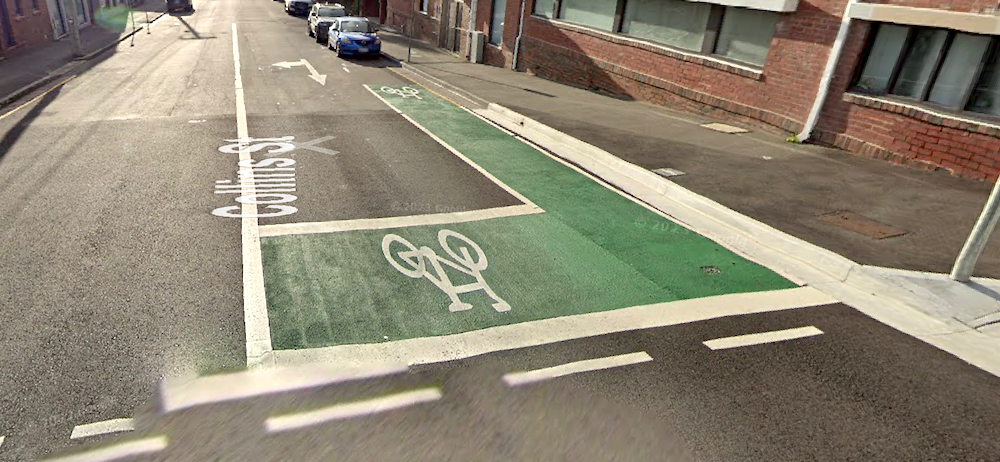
311,34
339,54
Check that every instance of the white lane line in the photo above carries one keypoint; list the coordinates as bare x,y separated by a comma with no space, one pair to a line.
454,151
117,451
248,384
514,379
351,410
2,438
347,70
102,427
533,333
762,337
289,229
258,330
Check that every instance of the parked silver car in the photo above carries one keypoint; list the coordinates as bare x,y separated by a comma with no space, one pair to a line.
320,18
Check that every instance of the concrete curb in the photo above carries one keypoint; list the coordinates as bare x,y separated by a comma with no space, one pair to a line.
831,273
73,65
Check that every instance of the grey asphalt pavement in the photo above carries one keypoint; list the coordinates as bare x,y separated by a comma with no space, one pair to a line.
116,276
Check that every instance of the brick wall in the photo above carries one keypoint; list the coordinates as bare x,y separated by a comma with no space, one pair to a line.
910,136
30,29
779,95
426,25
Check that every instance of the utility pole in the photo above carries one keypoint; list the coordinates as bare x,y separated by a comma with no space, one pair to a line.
980,235
74,30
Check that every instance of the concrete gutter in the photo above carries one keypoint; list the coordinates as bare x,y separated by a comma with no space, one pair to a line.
68,68
865,288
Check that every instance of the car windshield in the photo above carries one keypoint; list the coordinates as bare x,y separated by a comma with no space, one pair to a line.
356,26
330,11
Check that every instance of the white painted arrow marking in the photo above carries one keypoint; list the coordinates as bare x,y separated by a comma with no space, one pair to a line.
313,74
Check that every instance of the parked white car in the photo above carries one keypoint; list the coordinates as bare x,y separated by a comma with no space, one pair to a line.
320,18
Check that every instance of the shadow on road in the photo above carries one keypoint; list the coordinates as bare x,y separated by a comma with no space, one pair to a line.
11,137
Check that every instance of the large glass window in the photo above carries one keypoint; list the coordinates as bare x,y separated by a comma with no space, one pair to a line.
599,14
543,8
958,69
496,21
877,71
746,34
673,22
918,66
947,68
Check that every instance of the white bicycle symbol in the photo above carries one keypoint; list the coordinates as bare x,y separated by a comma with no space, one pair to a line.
412,262
405,92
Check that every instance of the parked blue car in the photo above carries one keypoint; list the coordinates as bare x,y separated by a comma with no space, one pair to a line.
351,36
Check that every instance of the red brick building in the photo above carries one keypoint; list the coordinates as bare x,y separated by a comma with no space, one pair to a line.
913,81
23,24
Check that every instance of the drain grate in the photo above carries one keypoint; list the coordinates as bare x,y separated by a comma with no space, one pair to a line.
862,225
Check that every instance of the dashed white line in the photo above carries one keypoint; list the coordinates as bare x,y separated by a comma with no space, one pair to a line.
350,410
762,337
102,428
2,438
425,350
240,385
523,378
347,70
117,451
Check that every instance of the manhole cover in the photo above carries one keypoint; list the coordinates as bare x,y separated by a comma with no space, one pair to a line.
668,172
711,270
861,225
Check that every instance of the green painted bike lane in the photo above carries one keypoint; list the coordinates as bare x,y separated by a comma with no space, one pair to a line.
591,250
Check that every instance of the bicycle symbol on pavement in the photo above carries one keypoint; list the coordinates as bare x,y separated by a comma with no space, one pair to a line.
469,260
405,92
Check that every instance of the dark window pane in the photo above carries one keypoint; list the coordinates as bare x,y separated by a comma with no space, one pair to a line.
986,95
673,22
496,22
543,8
599,14
958,69
885,50
746,34
919,62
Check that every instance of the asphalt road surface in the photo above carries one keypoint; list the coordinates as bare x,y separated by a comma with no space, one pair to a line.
117,275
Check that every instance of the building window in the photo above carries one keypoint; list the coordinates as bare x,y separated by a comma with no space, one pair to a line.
599,14
671,22
746,34
496,21
18,10
34,5
941,67
423,5
544,8
737,34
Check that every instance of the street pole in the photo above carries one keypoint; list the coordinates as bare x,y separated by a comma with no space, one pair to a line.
409,42
74,31
981,233
147,23
132,43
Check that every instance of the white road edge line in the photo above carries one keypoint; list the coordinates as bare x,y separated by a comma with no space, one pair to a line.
248,384
101,428
427,350
258,330
290,229
351,410
762,337
117,451
454,151
515,379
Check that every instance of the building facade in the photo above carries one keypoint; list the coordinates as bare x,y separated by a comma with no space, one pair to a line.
913,82
23,24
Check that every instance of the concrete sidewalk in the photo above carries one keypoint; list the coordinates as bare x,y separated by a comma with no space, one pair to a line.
902,227
40,64
784,185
